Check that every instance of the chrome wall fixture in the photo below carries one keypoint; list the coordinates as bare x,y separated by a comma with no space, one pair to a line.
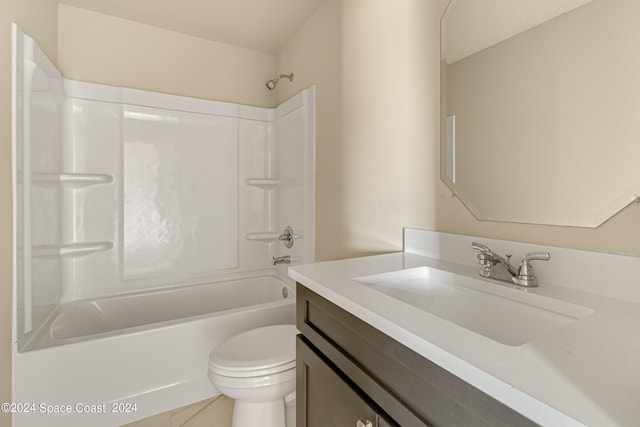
271,84
287,237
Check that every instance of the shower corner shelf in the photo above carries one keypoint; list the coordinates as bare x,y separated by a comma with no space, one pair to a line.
73,180
70,250
263,236
263,183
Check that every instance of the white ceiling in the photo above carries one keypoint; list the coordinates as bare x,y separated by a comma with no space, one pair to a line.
263,25
469,26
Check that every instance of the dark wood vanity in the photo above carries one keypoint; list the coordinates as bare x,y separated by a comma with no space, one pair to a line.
351,374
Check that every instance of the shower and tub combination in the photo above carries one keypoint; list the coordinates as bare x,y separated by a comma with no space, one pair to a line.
147,230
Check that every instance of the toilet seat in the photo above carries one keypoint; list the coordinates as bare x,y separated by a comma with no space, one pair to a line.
255,353
252,382
248,374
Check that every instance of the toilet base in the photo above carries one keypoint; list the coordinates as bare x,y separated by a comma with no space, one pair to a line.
259,414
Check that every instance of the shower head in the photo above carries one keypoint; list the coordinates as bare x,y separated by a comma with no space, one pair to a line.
271,84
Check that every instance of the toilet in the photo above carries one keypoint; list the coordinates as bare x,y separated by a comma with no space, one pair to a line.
257,368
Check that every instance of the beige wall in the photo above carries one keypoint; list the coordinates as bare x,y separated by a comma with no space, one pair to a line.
377,119
98,48
313,55
39,19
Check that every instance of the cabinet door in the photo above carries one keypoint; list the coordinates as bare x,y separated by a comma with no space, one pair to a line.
383,422
327,399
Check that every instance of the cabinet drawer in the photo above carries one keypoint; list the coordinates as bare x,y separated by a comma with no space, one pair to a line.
408,387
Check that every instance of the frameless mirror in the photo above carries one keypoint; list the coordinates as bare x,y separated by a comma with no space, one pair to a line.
541,108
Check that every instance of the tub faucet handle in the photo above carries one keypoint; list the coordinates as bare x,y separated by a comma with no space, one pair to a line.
288,237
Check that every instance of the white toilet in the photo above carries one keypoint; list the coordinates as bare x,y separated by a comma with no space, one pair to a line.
257,368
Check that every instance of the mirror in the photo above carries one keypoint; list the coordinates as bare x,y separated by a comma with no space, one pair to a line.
540,104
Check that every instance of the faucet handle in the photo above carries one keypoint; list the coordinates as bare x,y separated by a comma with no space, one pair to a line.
536,256
484,259
288,237
480,247
525,276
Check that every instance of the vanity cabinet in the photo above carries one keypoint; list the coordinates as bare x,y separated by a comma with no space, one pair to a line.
351,374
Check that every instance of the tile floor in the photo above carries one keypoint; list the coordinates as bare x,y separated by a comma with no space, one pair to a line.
214,412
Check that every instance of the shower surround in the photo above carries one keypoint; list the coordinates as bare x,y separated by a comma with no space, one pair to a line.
123,196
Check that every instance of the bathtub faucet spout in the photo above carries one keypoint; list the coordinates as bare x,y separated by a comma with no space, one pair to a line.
281,259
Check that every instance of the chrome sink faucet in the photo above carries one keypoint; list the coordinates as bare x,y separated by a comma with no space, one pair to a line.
498,267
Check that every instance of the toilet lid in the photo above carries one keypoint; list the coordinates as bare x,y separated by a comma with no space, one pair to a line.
256,352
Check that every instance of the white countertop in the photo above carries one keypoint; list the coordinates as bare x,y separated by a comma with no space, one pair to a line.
585,373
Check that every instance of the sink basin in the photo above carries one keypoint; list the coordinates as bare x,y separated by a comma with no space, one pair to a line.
510,316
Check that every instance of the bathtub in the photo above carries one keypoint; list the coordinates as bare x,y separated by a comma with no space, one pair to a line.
111,361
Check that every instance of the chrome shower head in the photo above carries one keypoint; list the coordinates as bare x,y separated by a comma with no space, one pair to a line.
271,84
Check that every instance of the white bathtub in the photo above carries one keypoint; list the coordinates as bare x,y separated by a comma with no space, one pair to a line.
142,353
